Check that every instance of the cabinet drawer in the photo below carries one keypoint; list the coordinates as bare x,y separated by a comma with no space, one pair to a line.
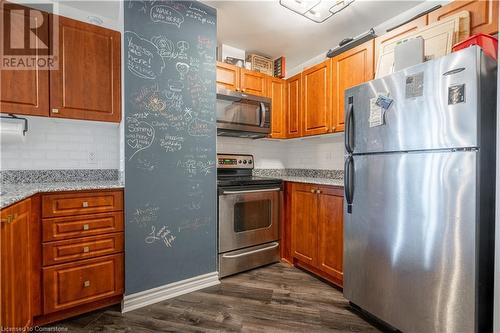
67,204
81,226
69,285
81,248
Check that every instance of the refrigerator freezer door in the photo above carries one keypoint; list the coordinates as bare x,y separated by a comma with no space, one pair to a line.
409,253
435,106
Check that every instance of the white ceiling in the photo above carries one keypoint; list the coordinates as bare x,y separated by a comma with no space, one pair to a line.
268,28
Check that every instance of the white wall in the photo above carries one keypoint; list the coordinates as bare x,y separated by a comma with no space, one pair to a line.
66,144
63,144
379,30
320,152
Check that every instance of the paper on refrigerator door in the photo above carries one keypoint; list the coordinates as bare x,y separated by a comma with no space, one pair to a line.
376,117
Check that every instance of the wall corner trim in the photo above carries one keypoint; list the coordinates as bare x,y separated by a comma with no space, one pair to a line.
158,294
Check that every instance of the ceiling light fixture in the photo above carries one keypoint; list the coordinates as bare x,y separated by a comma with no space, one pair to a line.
316,10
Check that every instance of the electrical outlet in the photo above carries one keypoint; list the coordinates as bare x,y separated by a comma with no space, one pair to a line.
92,157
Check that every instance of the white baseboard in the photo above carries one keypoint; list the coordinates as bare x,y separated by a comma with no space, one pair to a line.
158,294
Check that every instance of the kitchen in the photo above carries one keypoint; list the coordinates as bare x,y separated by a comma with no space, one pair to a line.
159,182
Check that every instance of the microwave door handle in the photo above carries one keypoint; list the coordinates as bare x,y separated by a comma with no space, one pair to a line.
262,114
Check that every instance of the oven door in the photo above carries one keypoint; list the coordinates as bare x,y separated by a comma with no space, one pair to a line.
248,217
242,112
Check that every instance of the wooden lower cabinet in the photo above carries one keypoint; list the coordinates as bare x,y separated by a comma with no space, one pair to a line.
55,268
15,278
315,214
304,224
69,285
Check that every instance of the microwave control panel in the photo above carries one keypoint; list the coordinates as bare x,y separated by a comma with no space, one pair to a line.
229,161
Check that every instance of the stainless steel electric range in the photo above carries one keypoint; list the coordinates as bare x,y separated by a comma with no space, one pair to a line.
249,215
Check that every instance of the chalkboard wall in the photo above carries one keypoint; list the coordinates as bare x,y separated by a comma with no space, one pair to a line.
170,133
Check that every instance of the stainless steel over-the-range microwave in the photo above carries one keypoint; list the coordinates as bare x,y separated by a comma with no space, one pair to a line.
242,115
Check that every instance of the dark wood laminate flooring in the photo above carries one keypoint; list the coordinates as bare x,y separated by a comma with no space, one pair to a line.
276,298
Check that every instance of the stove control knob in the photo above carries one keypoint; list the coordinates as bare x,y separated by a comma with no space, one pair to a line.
249,161
239,162
244,161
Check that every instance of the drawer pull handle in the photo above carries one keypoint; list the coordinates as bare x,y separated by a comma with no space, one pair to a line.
86,227
10,218
85,204
86,284
86,249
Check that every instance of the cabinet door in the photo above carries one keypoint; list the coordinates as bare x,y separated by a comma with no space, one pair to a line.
483,14
294,106
316,95
277,92
304,223
397,34
331,232
15,292
25,91
252,82
350,68
87,84
228,76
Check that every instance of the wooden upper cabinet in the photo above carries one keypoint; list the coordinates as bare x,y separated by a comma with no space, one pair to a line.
252,82
316,99
304,224
396,34
483,14
87,84
15,256
25,92
331,231
277,92
228,76
349,69
294,106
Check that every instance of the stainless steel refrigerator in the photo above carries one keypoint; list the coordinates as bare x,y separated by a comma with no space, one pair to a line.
419,195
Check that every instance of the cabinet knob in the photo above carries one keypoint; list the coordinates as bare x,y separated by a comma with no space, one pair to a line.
86,284
318,191
312,191
86,227
55,110
86,249
85,204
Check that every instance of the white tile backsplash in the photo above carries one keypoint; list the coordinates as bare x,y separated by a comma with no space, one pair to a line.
319,152
63,144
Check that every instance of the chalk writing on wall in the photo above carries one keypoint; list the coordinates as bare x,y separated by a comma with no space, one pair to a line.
163,235
145,215
139,136
143,59
166,14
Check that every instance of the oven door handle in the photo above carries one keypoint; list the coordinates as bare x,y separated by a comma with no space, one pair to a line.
232,256
252,191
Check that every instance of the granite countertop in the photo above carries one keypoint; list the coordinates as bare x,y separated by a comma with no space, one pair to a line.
314,180
308,176
14,192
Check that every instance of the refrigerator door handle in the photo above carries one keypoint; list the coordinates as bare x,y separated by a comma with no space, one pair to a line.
347,130
348,182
